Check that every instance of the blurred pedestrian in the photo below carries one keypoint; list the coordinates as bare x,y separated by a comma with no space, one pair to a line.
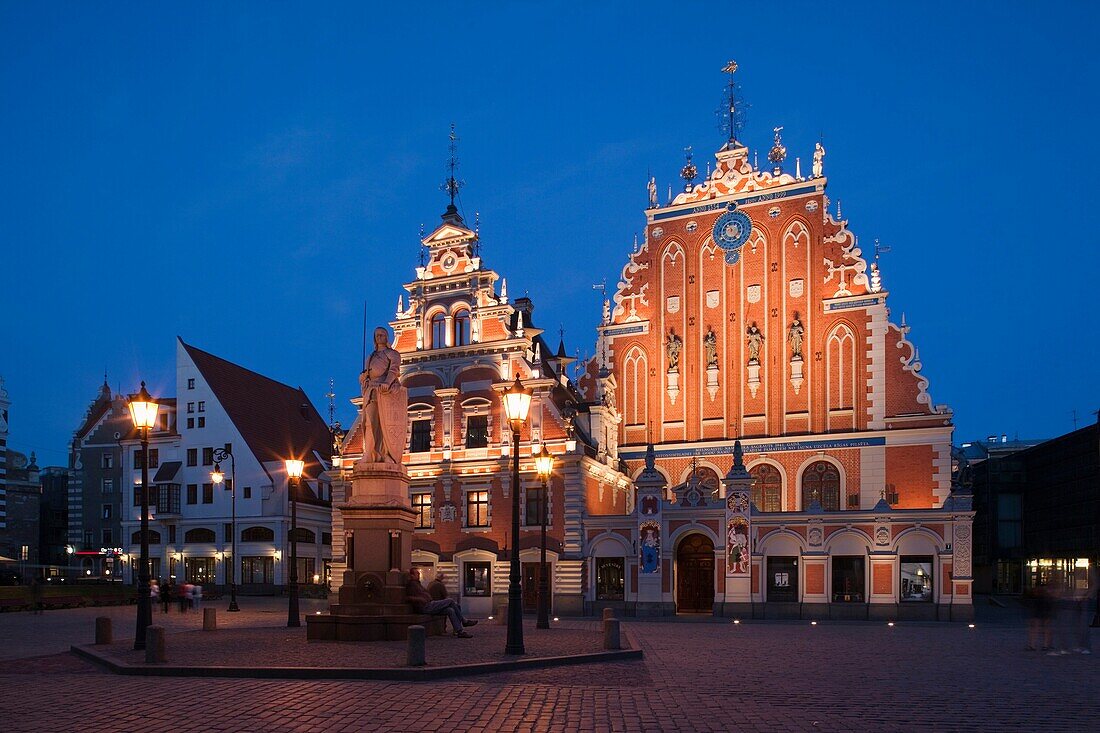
1038,628
166,594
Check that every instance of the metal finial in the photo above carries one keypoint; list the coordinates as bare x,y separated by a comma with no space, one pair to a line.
731,100
689,171
452,184
331,402
778,153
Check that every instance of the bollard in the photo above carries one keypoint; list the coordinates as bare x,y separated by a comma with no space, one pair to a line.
611,634
209,619
414,652
608,613
154,645
102,630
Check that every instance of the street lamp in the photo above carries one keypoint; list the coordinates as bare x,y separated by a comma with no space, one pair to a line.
544,466
517,401
143,411
217,476
294,468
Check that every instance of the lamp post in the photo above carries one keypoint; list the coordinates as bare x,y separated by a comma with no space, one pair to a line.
517,401
294,468
143,411
544,466
217,476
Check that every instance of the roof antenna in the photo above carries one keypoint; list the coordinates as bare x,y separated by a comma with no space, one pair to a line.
331,402
452,184
731,101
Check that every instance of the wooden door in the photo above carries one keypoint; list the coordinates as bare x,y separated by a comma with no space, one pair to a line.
695,575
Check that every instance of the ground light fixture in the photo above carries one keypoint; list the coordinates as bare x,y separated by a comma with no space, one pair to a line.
517,401
143,412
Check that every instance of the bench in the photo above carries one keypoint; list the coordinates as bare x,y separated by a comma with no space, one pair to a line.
63,601
14,604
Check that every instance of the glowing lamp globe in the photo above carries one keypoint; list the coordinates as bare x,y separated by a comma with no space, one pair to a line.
544,463
217,476
143,410
294,468
517,401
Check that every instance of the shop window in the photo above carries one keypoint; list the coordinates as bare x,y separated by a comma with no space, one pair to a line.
916,578
821,483
848,579
258,569
767,487
477,508
422,505
200,570
307,568
421,440
610,579
477,431
477,579
301,535
783,579
462,328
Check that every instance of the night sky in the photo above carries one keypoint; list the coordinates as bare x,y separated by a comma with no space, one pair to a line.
247,177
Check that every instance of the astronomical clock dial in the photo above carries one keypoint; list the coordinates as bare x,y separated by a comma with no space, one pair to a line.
731,231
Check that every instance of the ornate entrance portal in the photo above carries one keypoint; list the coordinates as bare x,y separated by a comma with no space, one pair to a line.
695,575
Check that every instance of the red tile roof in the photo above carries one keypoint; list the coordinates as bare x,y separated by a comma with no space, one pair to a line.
276,420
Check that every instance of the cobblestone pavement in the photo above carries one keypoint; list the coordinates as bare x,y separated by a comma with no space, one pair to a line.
696,677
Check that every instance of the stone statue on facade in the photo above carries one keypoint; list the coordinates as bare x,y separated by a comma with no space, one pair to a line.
385,403
673,347
710,344
755,341
652,187
819,159
794,336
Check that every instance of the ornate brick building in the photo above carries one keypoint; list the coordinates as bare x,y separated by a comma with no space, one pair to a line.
753,437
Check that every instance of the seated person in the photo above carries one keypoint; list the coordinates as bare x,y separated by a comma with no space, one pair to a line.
422,602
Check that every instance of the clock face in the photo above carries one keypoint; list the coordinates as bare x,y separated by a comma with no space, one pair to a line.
731,231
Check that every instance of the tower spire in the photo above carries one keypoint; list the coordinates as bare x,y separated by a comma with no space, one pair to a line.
452,184
731,101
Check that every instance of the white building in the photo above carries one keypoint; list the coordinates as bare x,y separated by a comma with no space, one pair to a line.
261,422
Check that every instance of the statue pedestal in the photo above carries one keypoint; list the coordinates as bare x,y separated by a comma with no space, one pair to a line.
378,524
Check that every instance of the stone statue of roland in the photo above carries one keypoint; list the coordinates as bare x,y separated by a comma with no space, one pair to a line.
385,403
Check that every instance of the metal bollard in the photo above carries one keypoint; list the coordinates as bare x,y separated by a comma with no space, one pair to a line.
103,630
611,634
209,619
154,645
414,652
608,613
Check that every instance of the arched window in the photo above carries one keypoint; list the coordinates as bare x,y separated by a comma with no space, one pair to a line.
199,535
709,479
821,482
462,328
301,534
439,331
258,534
767,487
154,537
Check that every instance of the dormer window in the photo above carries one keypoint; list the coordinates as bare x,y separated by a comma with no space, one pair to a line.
439,331
462,328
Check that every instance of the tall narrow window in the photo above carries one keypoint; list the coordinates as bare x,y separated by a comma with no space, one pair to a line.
767,488
821,483
439,331
536,498
462,328
422,505
477,431
421,439
477,508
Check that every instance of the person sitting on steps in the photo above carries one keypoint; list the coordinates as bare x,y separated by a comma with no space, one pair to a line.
422,602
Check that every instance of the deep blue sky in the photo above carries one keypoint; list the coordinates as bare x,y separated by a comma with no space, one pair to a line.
247,177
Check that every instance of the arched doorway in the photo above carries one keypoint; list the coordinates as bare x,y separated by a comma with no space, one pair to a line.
695,575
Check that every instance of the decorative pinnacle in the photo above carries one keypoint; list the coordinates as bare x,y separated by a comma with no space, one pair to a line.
731,100
452,184
689,171
778,153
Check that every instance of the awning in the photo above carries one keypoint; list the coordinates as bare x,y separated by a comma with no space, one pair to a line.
167,472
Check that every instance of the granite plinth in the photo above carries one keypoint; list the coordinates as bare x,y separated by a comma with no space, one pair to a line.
367,627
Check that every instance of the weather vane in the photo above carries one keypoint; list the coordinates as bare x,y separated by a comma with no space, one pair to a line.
732,118
452,184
